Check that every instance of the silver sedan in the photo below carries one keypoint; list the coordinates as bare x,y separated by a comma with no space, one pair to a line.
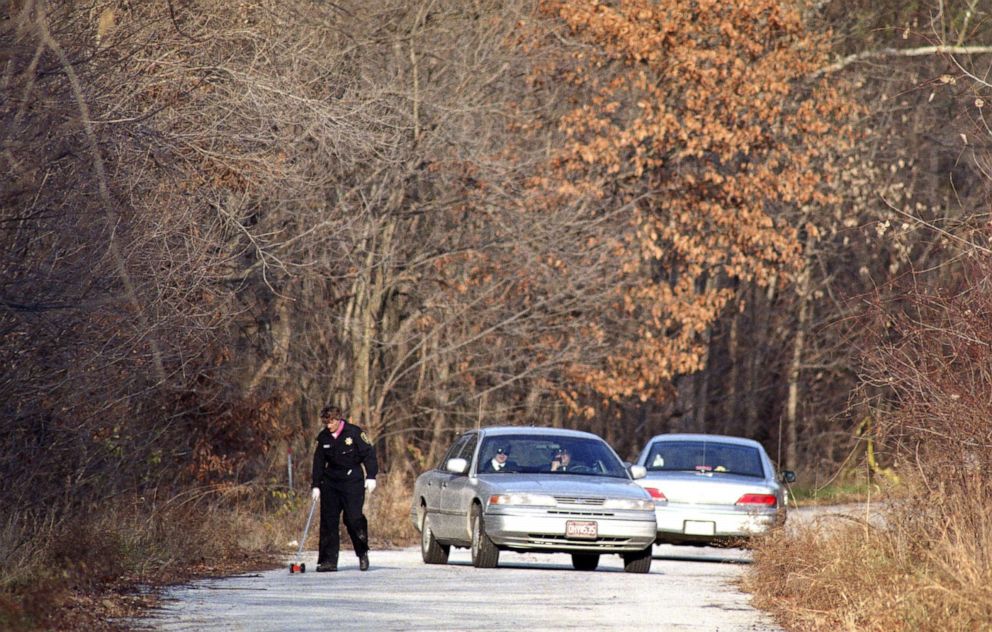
711,489
534,489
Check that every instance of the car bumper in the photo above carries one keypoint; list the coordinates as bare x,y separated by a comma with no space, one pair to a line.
703,522
532,530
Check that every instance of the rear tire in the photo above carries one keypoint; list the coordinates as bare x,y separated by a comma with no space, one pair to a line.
430,549
638,561
585,561
484,552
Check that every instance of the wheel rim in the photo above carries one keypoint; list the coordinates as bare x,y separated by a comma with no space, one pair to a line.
425,538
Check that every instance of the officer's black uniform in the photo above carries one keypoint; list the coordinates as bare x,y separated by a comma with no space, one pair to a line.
337,471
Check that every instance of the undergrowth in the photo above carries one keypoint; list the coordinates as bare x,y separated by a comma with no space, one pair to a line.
927,565
93,567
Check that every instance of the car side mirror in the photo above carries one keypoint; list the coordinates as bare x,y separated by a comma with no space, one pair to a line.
456,466
638,471
788,476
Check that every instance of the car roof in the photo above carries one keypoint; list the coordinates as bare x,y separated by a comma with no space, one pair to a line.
705,437
496,431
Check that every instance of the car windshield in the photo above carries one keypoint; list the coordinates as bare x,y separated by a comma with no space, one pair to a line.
704,456
550,454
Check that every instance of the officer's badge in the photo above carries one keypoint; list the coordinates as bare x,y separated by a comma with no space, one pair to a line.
365,438
347,441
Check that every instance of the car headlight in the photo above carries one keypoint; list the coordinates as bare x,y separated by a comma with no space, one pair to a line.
530,500
628,503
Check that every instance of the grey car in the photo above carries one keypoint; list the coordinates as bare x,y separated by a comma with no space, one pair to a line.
534,489
712,489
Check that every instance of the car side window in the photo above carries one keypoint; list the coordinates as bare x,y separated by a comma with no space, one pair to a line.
454,450
468,449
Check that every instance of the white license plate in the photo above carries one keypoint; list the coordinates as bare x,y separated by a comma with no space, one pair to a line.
699,527
581,529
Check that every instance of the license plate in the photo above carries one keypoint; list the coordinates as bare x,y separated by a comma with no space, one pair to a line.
581,529
699,527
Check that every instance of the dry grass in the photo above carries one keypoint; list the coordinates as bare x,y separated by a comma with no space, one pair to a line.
928,568
388,511
81,572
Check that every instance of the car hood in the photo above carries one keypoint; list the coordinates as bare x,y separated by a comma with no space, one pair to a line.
566,485
703,488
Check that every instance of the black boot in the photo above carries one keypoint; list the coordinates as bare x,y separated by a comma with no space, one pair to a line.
363,562
327,567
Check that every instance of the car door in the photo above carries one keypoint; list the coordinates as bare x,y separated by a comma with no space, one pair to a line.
440,518
457,493
431,487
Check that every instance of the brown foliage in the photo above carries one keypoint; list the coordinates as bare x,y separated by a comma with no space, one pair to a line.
698,118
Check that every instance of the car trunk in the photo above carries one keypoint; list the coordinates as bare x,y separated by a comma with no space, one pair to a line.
703,489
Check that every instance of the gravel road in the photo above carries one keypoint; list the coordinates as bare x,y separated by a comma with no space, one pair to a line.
688,588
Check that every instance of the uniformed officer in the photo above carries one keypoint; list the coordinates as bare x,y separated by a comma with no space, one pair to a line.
338,480
561,461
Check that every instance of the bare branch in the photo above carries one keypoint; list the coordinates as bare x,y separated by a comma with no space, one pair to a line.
922,51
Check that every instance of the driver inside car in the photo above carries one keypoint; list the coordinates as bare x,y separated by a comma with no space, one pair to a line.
562,460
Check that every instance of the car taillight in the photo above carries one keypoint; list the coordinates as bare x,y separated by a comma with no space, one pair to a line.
765,500
655,493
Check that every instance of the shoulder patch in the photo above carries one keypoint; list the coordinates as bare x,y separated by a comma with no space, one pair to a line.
365,438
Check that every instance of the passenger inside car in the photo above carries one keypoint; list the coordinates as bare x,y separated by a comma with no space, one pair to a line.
500,461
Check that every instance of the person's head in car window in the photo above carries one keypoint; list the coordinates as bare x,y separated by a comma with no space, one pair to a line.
499,460
561,460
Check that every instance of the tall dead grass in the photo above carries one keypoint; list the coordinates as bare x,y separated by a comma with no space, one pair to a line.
47,563
926,566
388,511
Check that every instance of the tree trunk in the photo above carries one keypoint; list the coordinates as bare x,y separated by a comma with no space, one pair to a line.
728,425
792,403
760,323
280,331
438,403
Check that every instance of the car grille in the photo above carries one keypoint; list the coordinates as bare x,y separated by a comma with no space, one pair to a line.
579,512
578,500
539,537
561,543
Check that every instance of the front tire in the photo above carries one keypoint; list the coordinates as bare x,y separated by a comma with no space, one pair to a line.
431,550
585,561
484,552
637,561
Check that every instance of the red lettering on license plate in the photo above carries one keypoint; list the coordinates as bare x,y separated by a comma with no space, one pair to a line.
584,529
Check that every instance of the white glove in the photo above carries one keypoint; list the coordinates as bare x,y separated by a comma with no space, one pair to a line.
315,494
370,485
